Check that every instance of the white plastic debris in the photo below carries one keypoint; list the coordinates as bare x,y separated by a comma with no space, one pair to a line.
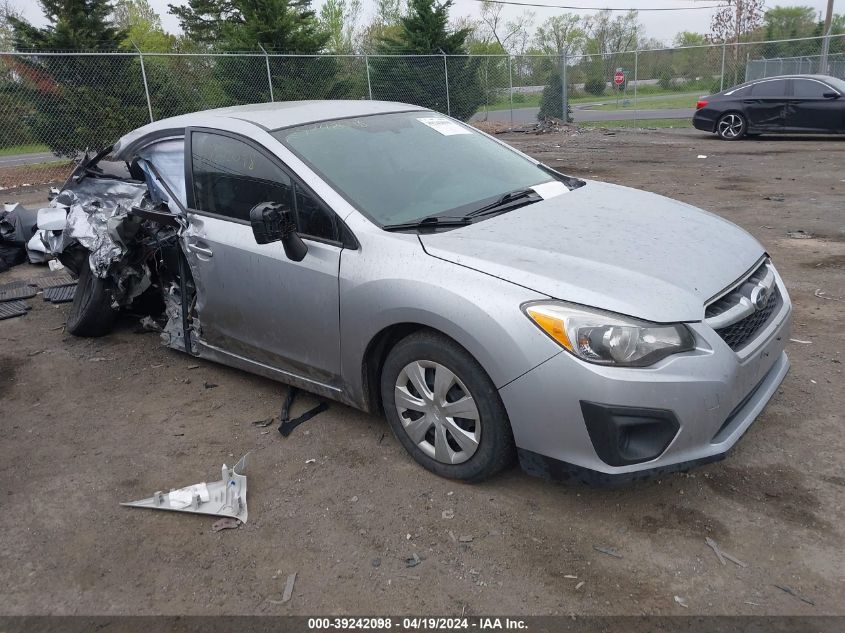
226,497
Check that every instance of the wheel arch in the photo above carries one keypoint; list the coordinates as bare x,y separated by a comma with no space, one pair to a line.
376,353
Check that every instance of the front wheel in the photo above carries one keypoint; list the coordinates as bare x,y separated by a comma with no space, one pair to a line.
444,409
731,126
91,313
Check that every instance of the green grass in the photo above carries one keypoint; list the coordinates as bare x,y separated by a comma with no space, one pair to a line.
640,123
687,100
32,148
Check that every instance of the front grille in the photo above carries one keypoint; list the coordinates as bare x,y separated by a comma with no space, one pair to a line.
738,334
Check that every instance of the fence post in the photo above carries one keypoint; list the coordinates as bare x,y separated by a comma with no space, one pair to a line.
722,76
636,80
269,77
144,77
510,83
369,85
446,75
564,93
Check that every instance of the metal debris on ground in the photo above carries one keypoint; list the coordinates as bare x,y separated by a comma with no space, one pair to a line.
607,550
579,585
792,592
800,234
821,295
147,324
17,290
413,561
682,602
9,309
226,523
798,340
60,294
287,425
465,539
289,587
226,497
712,545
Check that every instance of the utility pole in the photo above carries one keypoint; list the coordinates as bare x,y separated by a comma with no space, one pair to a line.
826,41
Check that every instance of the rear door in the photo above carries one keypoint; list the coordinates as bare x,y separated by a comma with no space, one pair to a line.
810,110
253,302
765,106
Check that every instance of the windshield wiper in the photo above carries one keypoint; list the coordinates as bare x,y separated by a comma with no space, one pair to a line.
432,221
511,200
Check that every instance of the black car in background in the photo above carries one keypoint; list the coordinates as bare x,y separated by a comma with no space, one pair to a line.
813,104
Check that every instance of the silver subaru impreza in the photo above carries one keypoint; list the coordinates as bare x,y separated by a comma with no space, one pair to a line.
398,260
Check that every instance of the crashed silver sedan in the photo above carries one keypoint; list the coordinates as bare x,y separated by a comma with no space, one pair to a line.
397,260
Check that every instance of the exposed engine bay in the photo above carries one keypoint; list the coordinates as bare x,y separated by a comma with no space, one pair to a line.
112,225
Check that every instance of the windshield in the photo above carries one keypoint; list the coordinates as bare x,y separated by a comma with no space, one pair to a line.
406,166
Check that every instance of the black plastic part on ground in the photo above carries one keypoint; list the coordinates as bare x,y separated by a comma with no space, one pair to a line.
287,426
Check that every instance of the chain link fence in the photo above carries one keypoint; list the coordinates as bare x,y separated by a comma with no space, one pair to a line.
55,106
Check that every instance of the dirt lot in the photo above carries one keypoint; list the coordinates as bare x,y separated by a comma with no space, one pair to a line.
89,423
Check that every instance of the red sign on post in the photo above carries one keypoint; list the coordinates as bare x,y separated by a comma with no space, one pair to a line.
619,77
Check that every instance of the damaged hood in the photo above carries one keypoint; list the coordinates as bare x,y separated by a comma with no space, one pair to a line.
609,247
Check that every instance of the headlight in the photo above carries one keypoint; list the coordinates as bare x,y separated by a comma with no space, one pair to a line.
609,339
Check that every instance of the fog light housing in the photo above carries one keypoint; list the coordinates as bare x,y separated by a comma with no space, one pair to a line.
628,435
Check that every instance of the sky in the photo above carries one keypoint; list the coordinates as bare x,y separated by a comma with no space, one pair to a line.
662,25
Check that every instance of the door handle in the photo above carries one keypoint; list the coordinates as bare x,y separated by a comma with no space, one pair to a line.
200,250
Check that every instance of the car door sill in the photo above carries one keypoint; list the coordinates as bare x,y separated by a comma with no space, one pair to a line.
210,352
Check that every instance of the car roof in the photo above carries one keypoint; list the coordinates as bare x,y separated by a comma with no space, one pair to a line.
267,116
825,78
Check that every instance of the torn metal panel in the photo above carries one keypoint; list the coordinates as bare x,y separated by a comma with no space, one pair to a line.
226,497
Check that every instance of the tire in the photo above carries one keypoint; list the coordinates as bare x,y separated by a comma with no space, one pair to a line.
471,448
91,313
731,126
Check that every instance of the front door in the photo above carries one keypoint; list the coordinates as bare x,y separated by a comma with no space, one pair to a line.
810,110
253,301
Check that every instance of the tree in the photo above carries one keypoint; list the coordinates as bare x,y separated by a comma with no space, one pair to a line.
8,9
422,81
561,34
781,23
385,23
340,21
737,22
79,102
608,39
142,26
282,26
513,35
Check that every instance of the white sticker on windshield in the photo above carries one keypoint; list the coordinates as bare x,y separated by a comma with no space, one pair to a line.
551,189
443,125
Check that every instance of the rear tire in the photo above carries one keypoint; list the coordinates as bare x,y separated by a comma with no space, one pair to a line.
444,409
731,126
91,313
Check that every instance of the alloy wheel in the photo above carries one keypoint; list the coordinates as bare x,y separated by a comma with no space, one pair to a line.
731,126
437,412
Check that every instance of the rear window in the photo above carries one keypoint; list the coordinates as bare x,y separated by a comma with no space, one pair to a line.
775,88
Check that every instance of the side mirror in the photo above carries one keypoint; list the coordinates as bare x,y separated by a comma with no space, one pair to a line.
272,222
831,95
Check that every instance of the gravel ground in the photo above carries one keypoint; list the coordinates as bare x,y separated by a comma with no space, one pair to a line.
89,423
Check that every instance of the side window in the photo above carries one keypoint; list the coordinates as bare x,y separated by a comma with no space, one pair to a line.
806,89
231,177
776,88
312,218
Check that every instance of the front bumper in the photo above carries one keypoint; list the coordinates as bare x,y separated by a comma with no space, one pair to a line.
713,392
